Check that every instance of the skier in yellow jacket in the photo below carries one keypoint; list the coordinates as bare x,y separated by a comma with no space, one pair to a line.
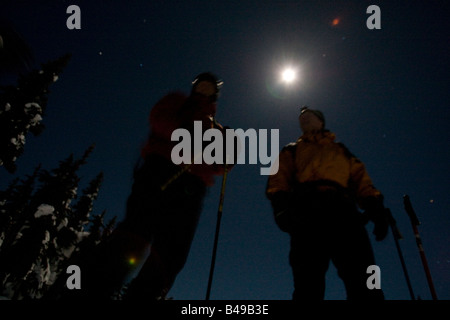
315,197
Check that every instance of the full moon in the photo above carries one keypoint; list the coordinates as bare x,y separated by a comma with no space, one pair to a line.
288,75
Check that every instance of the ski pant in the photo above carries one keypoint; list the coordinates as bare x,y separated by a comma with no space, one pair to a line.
330,228
164,220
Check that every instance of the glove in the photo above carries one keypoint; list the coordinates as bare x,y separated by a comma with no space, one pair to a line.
281,204
376,212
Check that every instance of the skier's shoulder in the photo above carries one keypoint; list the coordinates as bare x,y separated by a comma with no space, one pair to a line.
346,151
168,105
291,147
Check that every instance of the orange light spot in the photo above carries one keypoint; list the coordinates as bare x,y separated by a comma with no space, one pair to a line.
335,22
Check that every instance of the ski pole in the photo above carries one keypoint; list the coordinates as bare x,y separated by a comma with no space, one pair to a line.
415,222
398,236
180,172
175,177
216,237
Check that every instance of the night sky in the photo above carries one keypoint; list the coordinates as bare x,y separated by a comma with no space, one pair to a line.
385,93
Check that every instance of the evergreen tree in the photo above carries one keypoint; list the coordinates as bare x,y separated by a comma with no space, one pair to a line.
84,205
97,233
13,207
43,229
108,229
22,108
5,213
71,234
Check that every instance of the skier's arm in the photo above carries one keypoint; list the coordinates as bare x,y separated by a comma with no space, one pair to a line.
282,205
369,199
283,180
279,190
362,183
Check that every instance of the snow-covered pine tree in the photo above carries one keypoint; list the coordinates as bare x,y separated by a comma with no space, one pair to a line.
49,228
97,233
6,217
108,229
84,206
71,233
28,256
13,207
22,108
98,230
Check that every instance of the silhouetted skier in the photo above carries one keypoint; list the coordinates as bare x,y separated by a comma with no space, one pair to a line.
164,206
314,195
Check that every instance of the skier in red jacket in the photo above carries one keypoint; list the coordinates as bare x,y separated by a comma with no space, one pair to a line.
165,203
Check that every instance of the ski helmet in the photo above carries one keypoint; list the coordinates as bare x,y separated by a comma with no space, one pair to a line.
317,113
210,77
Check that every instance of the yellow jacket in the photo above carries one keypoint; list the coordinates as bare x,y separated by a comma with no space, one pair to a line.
318,157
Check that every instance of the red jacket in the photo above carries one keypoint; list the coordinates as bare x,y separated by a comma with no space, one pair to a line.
176,110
